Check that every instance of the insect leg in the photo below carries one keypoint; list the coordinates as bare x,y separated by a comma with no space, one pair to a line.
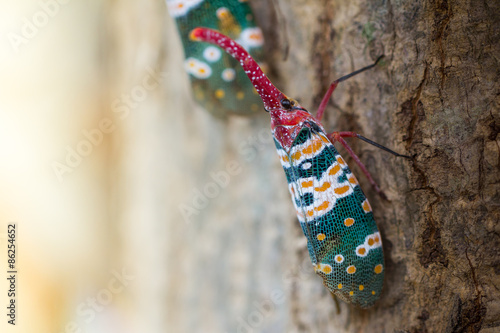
326,98
335,137
329,92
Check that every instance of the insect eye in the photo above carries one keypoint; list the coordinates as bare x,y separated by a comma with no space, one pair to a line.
286,103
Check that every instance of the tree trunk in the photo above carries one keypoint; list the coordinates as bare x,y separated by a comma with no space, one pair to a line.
239,263
436,99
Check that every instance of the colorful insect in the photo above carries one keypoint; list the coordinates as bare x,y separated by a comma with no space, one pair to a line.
219,83
343,239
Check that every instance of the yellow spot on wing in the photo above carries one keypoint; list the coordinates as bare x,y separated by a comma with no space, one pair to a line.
351,269
321,237
378,269
361,287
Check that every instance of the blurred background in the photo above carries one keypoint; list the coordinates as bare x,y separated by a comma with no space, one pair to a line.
137,211
105,162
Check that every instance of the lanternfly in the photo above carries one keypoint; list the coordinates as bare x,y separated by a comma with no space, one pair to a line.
342,237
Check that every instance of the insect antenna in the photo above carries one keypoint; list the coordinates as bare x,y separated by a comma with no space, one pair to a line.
378,145
345,77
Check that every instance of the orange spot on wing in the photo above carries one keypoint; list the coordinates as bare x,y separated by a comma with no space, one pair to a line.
317,146
342,190
255,36
348,222
327,269
353,180
219,93
351,269
307,150
340,160
334,170
378,269
361,251
371,241
296,156
321,237
366,206
307,184
313,147
323,206
323,188
361,287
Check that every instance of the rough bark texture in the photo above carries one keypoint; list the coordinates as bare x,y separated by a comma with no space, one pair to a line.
240,264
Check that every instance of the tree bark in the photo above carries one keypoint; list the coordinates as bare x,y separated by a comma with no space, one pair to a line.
240,264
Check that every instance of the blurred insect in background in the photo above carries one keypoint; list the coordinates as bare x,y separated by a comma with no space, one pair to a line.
343,240
218,82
